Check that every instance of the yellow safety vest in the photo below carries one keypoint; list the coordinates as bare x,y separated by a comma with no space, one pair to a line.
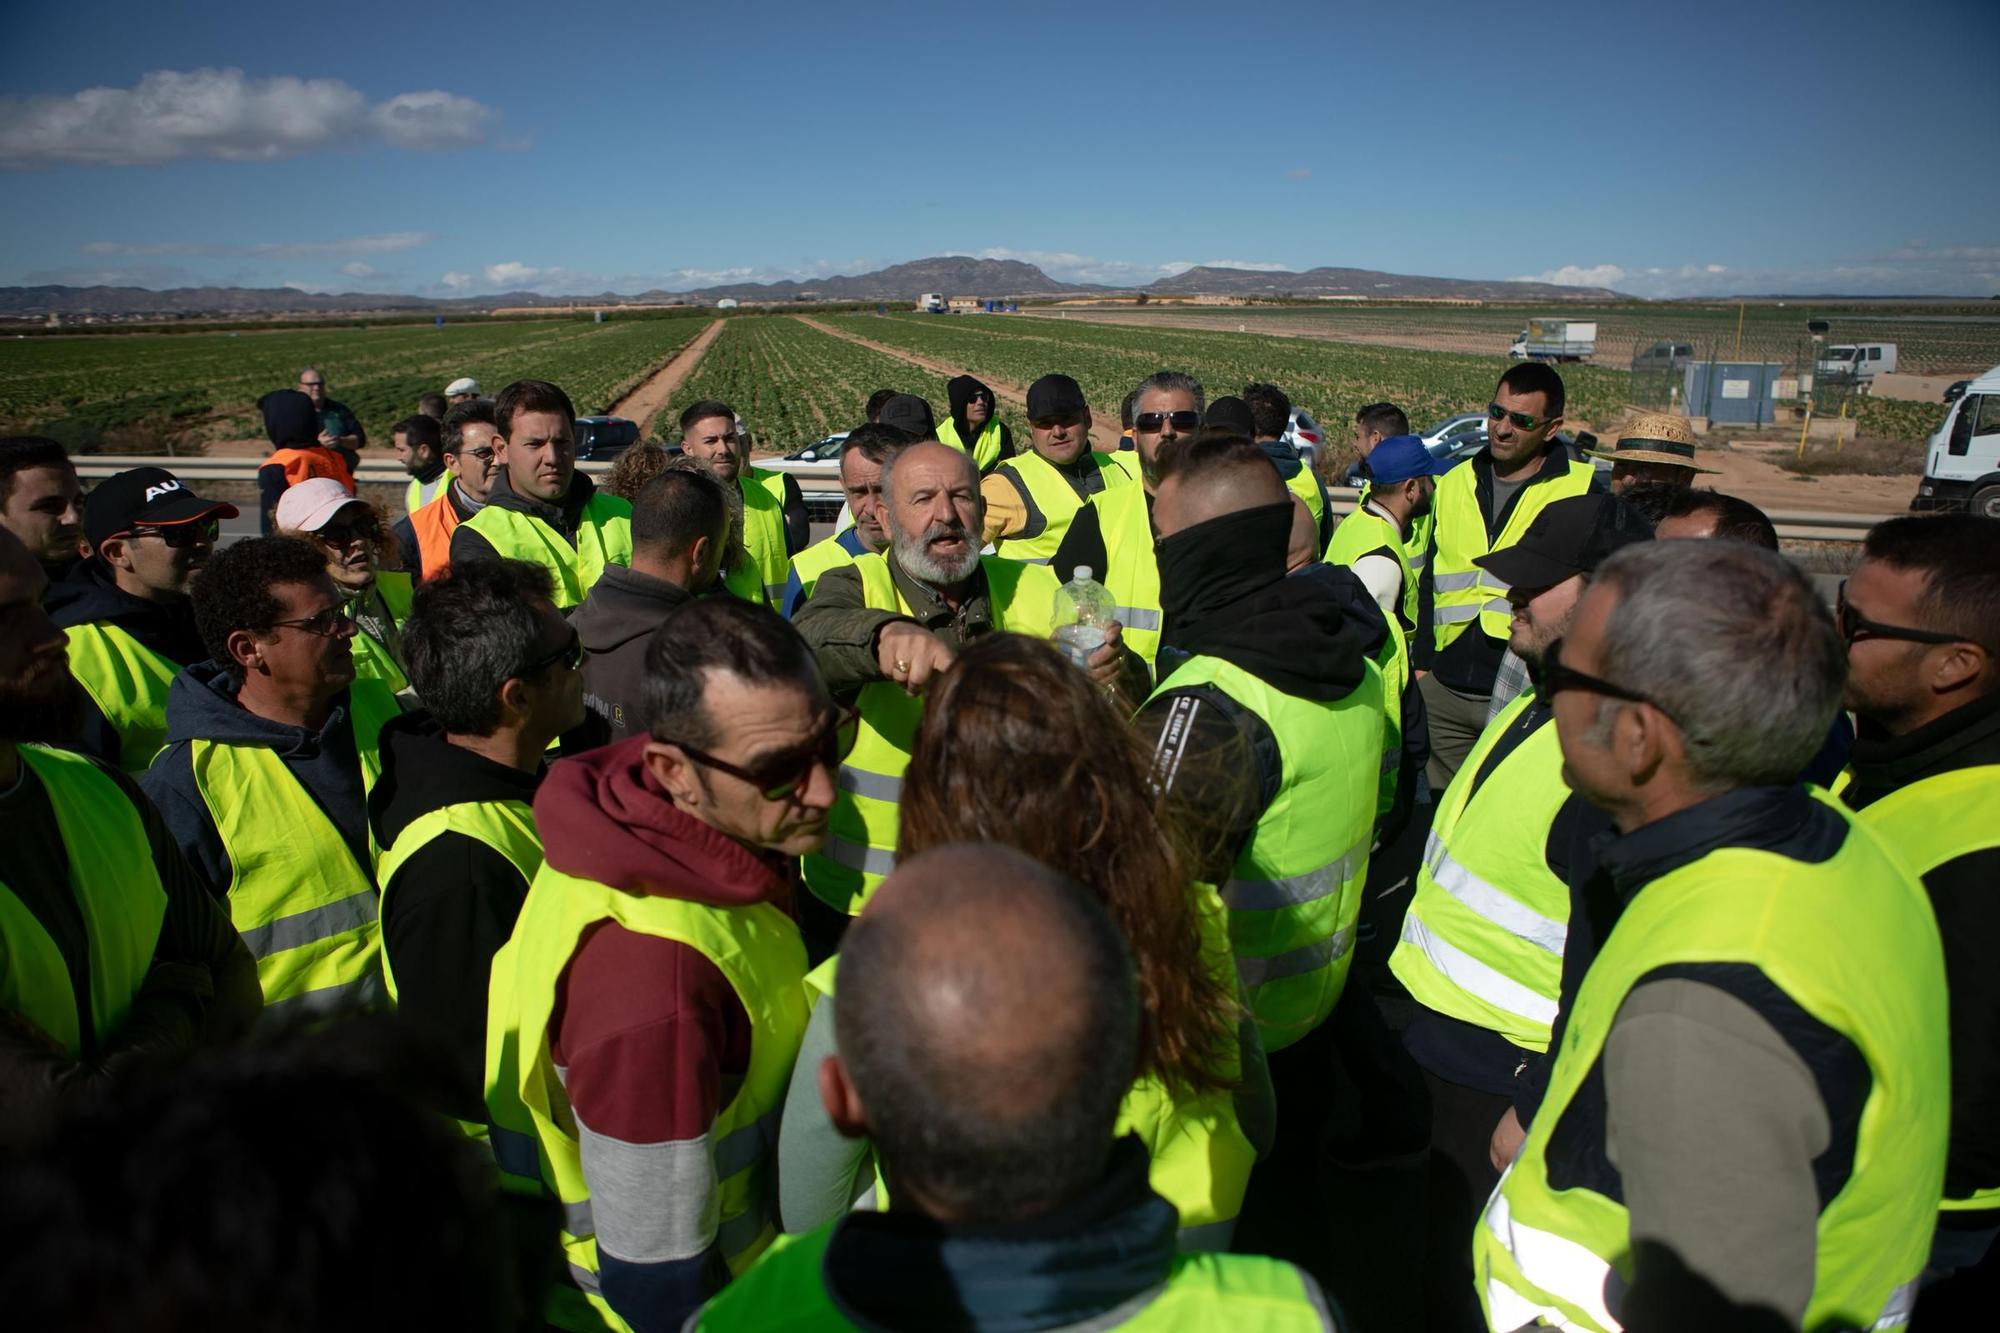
128,682
373,659
1132,573
420,493
764,528
861,829
118,894
808,565
1418,544
985,448
1364,533
1822,933
1462,592
603,537
1294,894
508,827
534,1133
1484,933
307,910
1052,501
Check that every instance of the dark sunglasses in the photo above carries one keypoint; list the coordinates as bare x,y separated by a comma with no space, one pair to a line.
1152,422
782,774
347,534
1556,678
179,535
1521,420
328,624
570,653
1854,626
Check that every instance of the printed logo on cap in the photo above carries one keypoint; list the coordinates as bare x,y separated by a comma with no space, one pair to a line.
158,489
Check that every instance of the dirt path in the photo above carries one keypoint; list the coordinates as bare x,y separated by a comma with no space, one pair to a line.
644,403
1103,432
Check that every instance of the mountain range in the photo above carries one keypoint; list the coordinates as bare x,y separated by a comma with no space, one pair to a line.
954,275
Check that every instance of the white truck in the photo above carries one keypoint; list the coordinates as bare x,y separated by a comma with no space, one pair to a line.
1556,340
1855,363
932,303
1962,461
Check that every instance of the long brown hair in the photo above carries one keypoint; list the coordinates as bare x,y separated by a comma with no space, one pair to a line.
1018,747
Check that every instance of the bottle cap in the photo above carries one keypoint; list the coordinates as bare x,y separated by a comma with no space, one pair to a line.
1081,574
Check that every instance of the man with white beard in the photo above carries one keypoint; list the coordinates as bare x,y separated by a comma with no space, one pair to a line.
884,627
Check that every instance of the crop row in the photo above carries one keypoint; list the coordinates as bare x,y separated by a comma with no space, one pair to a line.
207,384
1328,380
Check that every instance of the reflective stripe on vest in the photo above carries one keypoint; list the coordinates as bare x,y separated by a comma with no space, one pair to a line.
1132,573
757,950
119,899
1295,891
1933,821
1810,929
1461,592
1052,500
128,682
303,905
985,448
603,537
1483,936
860,846
764,529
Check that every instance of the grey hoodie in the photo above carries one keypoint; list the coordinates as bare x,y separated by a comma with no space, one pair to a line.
201,705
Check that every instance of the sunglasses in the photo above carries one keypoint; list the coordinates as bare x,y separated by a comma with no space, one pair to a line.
181,535
1521,420
1556,678
347,534
1153,422
1853,626
332,623
569,653
782,774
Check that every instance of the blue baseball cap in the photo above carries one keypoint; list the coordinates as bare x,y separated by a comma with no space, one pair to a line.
1399,458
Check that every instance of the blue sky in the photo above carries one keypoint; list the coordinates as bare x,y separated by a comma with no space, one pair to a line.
456,148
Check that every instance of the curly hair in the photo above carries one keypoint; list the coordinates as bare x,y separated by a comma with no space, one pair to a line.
633,469
1017,747
234,590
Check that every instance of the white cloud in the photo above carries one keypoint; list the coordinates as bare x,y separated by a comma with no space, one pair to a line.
455,281
357,269
389,243
1575,275
513,274
1917,269
220,113
1068,266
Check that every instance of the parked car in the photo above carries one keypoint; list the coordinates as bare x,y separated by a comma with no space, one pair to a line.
603,438
1304,435
820,458
1458,438
1956,390
1962,460
1855,363
1664,356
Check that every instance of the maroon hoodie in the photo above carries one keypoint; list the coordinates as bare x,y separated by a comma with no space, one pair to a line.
646,1031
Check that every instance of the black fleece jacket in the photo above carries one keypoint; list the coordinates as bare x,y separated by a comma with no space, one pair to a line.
90,596
615,622
565,516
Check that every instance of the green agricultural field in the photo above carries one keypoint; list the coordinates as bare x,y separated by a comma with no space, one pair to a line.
196,386
1328,380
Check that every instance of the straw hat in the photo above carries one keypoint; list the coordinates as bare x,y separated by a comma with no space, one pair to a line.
1654,437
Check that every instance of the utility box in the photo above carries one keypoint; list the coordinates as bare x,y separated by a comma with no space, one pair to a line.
1732,393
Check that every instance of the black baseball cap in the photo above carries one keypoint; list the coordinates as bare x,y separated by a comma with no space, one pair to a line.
1571,536
148,496
1054,396
1231,414
908,412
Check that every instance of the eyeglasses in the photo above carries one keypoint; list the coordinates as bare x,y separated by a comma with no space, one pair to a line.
1556,678
332,623
180,535
1521,420
1153,422
570,653
312,384
782,774
1853,626
484,453
1050,423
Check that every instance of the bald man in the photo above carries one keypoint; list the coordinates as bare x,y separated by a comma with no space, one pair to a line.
988,1029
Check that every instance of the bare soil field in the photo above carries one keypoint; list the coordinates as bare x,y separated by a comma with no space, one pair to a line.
644,402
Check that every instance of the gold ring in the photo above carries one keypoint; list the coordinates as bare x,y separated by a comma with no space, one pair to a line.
902,667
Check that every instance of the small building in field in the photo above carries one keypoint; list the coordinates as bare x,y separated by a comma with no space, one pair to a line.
967,305
726,303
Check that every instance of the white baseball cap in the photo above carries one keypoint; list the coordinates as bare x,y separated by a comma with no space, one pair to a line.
463,384
311,505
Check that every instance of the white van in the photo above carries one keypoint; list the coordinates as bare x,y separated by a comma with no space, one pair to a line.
1856,363
1962,463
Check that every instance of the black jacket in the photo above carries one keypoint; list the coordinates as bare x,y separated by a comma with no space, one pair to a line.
452,904
959,391
565,517
615,622
89,596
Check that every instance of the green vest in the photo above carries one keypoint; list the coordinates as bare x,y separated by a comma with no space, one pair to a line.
764,529
118,894
1132,575
1461,592
861,829
1483,936
1128,463
603,537
304,906
1417,544
374,659
985,448
1929,823
128,682
508,827
420,493
1294,894
1364,533
808,565
1822,934
534,1133
1051,502
1239,1292
1305,484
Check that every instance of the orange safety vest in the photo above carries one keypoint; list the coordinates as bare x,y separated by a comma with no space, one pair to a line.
299,464
434,523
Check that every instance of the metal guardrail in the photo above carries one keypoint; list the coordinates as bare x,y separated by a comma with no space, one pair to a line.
821,484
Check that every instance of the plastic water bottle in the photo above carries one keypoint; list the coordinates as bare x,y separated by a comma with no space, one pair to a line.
1084,610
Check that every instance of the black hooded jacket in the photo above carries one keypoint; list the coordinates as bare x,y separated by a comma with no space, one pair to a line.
90,596
1225,594
960,390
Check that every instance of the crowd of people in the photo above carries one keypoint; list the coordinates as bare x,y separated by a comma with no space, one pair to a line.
1524,901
